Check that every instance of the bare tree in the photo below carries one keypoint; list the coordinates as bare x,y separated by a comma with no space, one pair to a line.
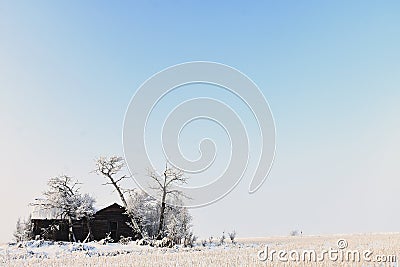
165,185
86,211
63,196
110,168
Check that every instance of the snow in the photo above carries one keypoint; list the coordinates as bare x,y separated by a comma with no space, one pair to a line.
50,249
54,250
40,212
244,253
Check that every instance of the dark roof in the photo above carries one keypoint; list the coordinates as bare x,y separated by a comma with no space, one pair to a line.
41,213
115,205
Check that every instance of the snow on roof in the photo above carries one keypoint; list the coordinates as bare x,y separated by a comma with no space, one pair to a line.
41,212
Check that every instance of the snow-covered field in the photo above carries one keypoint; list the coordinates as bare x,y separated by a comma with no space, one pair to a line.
244,253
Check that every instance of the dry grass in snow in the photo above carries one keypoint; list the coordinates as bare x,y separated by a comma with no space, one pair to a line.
242,254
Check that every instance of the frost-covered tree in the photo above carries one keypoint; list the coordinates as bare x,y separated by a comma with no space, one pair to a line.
63,195
85,210
23,231
146,211
111,168
165,184
149,217
178,224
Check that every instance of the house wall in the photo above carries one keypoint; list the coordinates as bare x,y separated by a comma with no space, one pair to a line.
58,232
111,219
105,220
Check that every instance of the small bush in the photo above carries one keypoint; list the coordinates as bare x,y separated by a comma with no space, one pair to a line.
145,242
222,239
294,233
125,240
232,236
190,239
164,243
106,240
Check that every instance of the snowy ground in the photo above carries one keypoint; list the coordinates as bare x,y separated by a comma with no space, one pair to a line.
42,253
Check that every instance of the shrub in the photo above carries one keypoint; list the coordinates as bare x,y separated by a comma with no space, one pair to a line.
125,240
232,236
222,239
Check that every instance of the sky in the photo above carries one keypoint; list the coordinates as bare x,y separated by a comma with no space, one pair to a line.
329,70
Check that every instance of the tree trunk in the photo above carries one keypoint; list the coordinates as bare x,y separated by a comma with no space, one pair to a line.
162,211
90,234
71,235
122,197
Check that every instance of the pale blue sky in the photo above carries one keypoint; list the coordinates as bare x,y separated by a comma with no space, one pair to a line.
330,71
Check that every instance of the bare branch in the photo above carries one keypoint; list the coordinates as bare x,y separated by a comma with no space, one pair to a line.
166,187
109,168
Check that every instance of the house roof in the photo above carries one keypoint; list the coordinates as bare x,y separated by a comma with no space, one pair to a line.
41,212
115,205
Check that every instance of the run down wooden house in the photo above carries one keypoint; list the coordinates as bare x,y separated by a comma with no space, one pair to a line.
112,219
